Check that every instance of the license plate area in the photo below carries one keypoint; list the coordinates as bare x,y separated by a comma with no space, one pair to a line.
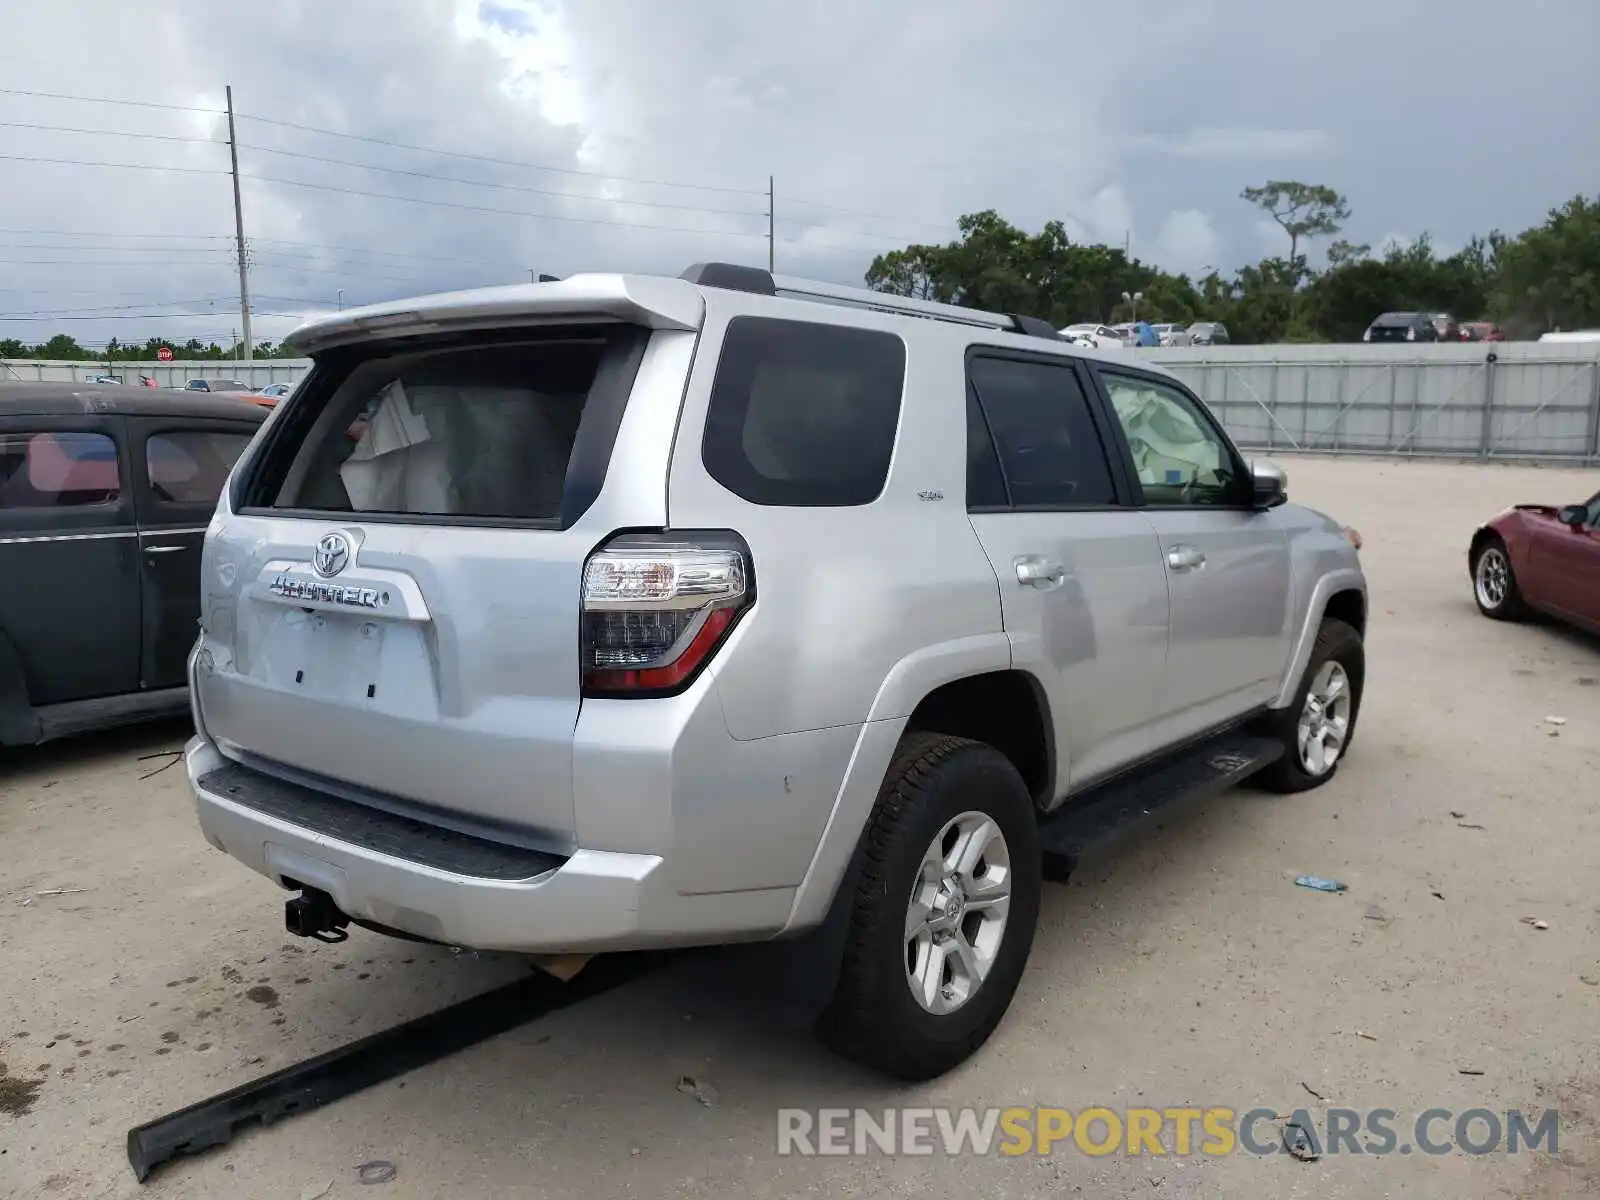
331,655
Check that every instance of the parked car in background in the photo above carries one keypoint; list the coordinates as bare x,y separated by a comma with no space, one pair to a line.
1539,558
1572,335
1090,334
216,385
1446,326
103,506
1208,333
1402,327
1481,331
1172,334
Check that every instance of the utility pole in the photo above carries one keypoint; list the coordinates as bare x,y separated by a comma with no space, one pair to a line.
772,225
238,231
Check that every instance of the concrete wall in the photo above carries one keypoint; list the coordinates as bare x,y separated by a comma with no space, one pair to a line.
1525,400
257,373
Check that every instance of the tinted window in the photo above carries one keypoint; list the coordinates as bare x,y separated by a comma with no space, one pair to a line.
58,470
1039,418
480,430
804,414
190,466
1176,452
986,487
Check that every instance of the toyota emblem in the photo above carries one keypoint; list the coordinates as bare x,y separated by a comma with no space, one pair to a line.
332,554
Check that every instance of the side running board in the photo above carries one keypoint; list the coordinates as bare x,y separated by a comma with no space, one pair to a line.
1089,823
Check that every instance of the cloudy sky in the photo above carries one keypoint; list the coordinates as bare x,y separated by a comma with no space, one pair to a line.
561,135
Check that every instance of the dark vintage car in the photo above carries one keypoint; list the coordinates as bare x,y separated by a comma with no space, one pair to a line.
1536,558
1402,327
105,495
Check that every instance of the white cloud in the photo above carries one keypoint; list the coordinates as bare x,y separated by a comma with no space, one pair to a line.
1188,242
1239,144
1110,216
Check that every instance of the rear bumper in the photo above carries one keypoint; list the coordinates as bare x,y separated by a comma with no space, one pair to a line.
459,890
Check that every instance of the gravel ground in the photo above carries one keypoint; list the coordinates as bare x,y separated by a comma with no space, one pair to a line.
141,971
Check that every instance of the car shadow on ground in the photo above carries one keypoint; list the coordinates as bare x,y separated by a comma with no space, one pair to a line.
155,743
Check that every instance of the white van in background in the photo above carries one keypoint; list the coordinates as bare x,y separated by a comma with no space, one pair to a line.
1572,335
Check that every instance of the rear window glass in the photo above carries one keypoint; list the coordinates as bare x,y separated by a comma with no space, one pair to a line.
189,466
1039,418
64,469
804,414
481,430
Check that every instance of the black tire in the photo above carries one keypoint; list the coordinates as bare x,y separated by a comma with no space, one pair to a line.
872,1017
1336,642
1511,606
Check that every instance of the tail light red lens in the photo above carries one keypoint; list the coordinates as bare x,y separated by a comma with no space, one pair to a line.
657,606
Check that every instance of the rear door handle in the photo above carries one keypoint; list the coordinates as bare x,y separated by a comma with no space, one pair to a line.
1185,558
163,549
1037,572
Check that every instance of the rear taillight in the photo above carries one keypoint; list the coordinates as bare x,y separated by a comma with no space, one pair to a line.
657,606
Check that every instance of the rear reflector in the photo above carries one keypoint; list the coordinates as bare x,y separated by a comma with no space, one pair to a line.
657,606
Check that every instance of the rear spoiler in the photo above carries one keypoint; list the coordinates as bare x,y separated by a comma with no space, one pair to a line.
653,302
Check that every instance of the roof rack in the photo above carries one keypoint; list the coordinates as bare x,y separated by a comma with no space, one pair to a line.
757,281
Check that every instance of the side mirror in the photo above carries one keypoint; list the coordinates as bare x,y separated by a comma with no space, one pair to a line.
1574,516
1271,485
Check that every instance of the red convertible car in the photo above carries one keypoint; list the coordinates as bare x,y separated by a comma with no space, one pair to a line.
1535,558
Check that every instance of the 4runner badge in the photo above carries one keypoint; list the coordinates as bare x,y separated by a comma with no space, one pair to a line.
298,587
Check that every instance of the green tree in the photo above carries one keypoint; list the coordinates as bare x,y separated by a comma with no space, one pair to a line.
995,265
62,346
1550,275
1302,210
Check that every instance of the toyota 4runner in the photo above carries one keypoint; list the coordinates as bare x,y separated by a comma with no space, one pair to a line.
645,612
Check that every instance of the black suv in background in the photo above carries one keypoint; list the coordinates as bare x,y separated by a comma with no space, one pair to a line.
1208,333
1402,327
105,495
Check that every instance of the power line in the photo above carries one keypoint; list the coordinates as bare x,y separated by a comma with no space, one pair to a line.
925,222
216,112
505,212
79,162
220,237
151,316
122,249
504,162
44,313
487,262
155,137
91,262
510,187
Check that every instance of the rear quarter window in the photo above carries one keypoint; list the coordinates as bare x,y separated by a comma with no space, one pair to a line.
804,414
189,466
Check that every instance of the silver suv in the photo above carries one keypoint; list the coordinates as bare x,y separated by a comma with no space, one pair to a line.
625,612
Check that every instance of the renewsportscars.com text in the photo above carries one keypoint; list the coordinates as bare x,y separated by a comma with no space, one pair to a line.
1180,1132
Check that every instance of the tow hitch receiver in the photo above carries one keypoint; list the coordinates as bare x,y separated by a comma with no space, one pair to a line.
313,914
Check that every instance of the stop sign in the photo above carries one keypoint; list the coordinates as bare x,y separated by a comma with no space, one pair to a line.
164,354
